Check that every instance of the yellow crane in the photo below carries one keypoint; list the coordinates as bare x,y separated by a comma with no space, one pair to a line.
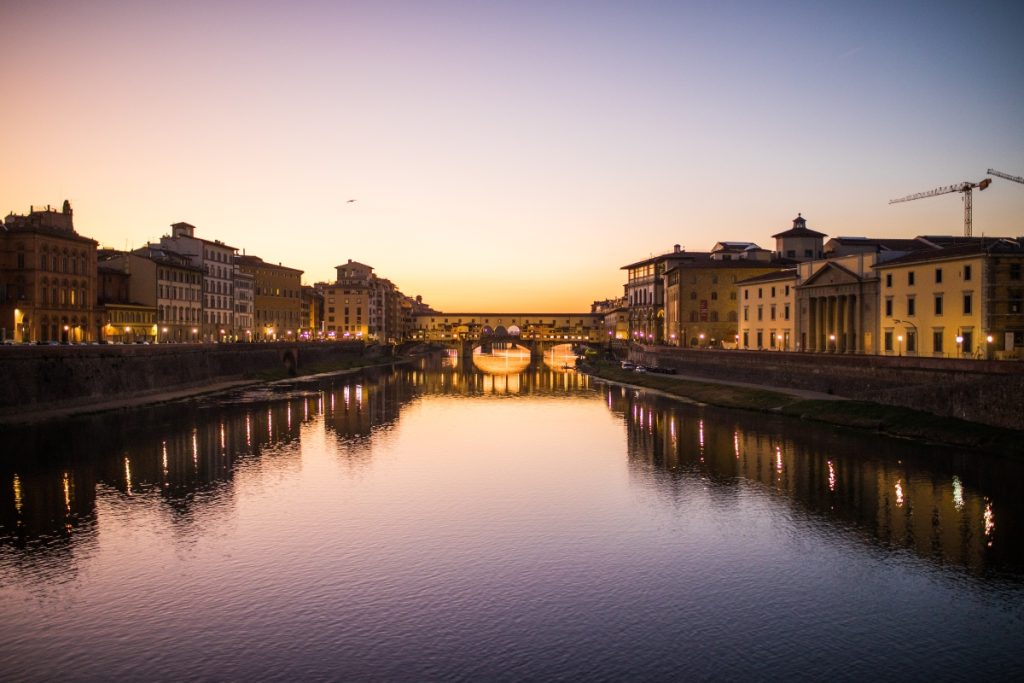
964,188
1007,176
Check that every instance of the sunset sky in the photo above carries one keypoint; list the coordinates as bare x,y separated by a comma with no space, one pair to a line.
508,156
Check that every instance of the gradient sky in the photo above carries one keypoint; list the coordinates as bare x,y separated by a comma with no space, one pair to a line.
508,155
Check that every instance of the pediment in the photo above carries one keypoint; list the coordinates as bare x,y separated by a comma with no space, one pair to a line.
832,274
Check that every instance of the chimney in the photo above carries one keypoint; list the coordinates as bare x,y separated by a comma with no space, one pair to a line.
676,249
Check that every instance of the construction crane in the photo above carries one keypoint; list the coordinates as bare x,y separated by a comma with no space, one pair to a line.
964,188
1007,176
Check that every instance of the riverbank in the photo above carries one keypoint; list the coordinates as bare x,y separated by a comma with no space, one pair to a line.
34,414
820,407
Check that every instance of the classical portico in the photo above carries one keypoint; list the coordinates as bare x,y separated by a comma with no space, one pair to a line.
835,306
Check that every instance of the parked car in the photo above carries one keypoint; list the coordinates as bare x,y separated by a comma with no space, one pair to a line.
628,365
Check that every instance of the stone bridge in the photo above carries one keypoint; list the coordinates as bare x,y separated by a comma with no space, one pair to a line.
534,331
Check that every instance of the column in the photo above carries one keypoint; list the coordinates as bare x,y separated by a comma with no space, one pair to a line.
823,323
841,323
812,319
851,322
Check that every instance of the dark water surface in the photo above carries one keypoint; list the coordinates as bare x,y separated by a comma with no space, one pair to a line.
443,523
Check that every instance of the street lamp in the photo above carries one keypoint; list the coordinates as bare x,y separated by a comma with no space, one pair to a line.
899,347
959,341
701,337
832,342
779,344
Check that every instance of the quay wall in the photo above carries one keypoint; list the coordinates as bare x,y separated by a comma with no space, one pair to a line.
44,377
984,391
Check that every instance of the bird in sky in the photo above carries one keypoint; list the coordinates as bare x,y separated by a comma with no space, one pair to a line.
350,201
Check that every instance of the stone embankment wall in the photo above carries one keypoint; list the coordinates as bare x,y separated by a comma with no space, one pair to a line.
43,377
989,392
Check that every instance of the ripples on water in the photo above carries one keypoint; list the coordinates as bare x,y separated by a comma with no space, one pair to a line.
443,523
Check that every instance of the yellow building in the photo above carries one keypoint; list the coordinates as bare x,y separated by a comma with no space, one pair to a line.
767,317
277,298
701,298
959,301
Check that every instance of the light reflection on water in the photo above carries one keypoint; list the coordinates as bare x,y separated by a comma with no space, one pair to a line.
441,522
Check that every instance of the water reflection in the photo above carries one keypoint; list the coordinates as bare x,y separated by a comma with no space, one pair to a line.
952,508
940,504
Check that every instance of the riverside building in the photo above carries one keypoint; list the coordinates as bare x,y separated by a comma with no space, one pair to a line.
47,278
277,296
216,260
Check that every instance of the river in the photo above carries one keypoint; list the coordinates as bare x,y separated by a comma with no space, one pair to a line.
437,521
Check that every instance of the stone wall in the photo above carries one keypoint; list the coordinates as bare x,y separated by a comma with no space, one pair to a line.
38,377
989,392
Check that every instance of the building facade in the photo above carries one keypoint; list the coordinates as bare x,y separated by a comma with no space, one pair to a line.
837,305
245,306
701,307
178,295
216,260
47,278
963,301
277,298
644,293
768,309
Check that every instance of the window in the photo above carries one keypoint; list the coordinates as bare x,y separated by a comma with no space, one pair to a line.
790,253
968,344
760,339
967,304
773,291
910,278
888,306
760,294
911,307
1014,271
808,253
967,273
760,313
938,304
911,341
772,312
746,313
746,294
746,338
937,341
785,312
693,294
888,340
938,275
787,290
888,279
714,296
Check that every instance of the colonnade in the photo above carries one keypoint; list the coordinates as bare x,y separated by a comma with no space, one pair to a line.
833,323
